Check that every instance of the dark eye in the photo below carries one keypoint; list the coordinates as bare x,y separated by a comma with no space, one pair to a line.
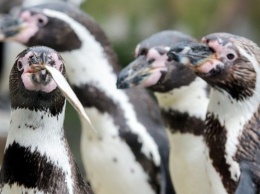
19,66
230,56
150,61
143,52
41,20
61,68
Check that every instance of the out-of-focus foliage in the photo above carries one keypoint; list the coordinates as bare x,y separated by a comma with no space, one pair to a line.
128,22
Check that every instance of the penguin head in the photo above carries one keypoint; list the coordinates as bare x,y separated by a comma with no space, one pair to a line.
33,87
229,63
44,24
151,67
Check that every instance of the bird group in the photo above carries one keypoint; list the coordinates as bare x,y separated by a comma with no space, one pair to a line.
200,136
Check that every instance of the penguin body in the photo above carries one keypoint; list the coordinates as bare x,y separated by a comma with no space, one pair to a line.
37,157
130,150
8,51
230,64
183,100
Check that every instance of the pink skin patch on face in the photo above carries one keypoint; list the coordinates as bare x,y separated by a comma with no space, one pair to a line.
208,66
30,26
221,51
27,80
155,68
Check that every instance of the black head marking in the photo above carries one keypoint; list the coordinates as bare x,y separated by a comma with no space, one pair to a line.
34,100
164,38
151,61
175,77
63,38
53,32
237,76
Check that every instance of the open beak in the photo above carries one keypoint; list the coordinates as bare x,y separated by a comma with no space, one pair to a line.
141,72
10,26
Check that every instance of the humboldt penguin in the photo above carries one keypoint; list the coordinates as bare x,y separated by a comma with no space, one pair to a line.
37,157
230,64
8,51
183,100
129,153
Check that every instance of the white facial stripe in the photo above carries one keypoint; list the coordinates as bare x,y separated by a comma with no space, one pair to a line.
89,65
137,50
234,115
44,138
191,99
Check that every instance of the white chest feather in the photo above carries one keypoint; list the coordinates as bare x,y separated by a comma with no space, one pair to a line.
89,65
233,115
191,99
109,161
4,122
188,164
17,189
46,137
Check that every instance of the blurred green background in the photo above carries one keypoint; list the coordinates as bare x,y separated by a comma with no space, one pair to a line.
128,22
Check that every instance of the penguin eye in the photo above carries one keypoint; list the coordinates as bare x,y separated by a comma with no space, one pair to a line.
143,51
41,20
230,56
19,66
61,68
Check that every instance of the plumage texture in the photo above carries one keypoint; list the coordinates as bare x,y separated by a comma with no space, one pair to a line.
183,99
37,157
130,152
8,51
232,133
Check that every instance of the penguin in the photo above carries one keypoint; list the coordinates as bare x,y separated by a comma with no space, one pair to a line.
8,51
37,156
183,100
230,64
130,152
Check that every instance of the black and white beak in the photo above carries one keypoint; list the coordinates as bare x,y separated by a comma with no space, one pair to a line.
144,71
10,26
193,54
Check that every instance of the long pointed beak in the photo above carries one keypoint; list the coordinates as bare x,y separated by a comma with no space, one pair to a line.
141,72
10,26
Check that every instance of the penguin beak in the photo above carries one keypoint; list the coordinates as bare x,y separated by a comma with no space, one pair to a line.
201,58
10,26
193,54
39,74
142,72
